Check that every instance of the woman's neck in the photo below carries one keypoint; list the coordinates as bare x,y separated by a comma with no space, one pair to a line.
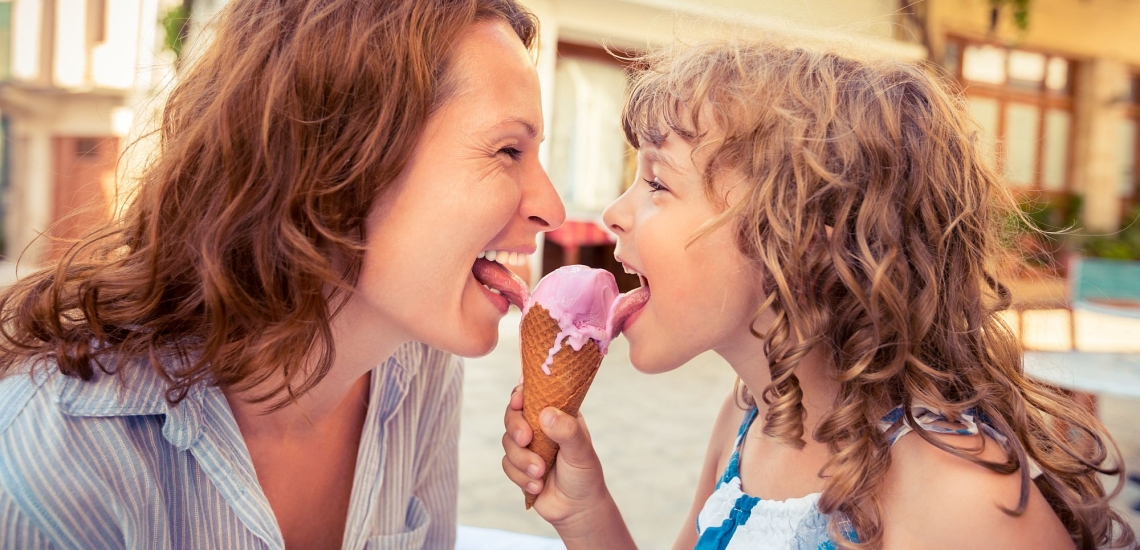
362,340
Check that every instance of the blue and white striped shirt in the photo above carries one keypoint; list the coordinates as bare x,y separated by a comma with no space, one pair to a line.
109,464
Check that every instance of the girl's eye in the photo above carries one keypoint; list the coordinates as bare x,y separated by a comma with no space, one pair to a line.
654,185
511,152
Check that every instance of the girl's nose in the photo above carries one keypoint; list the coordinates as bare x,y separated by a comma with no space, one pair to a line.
540,201
616,215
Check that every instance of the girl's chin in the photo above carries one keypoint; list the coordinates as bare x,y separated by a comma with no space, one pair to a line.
653,363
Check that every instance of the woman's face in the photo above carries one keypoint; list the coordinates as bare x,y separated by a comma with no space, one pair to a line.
473,184
703,293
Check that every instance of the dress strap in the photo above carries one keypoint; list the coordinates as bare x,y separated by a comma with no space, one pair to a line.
733,468
971,422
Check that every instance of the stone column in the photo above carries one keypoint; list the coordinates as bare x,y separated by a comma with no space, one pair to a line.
28,212
1099,110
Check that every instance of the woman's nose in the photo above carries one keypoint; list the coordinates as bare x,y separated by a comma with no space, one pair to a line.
616,215
541,203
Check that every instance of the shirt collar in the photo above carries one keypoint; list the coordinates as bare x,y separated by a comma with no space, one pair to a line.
136,389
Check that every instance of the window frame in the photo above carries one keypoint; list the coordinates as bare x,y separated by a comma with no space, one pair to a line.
1043,99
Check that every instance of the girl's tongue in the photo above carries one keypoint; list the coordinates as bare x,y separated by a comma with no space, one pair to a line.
498,277
626,305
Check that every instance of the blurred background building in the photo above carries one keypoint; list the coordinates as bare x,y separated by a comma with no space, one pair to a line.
72,75
1052,83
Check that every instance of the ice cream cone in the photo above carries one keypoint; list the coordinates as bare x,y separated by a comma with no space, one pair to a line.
564,388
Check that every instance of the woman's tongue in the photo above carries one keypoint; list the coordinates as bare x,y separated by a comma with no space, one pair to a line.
498,277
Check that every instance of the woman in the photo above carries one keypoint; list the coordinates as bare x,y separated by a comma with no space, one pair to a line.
234,364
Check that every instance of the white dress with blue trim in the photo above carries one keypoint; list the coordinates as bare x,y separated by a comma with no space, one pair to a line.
733,520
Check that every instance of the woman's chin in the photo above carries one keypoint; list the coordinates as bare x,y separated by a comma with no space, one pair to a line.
471,338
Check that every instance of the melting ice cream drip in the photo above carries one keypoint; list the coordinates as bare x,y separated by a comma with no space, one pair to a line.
586,305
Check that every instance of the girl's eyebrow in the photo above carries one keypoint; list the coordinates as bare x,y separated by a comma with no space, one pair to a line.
658,156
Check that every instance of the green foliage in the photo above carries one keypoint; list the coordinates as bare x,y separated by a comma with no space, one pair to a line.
1040,230
1020,9
173,23
1122,245
1043,233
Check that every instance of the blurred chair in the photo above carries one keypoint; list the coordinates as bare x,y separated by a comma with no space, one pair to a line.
1108,287
1111,287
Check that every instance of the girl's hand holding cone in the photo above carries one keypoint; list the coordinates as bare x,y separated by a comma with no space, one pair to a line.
574,497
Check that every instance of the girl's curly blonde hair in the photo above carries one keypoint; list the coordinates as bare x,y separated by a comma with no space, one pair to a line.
876,224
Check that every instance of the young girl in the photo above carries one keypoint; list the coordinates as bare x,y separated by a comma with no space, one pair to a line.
831,228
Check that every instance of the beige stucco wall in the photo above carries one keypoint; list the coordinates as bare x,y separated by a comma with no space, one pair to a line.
1080,28
638,24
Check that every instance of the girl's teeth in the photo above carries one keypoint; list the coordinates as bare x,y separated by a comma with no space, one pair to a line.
483,254
491,255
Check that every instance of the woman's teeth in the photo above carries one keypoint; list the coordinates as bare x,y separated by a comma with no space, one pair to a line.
505,258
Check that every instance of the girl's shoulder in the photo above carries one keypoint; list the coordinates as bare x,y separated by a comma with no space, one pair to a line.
934,499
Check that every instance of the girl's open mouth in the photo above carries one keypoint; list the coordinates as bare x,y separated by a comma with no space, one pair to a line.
626,305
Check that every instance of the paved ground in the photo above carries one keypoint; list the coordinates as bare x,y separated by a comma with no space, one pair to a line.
651,431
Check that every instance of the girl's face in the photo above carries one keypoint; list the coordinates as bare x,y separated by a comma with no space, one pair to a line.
703,292
473,184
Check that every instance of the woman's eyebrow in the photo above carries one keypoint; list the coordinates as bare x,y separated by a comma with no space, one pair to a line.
531,131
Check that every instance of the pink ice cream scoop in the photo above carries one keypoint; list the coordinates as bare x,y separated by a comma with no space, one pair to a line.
586,304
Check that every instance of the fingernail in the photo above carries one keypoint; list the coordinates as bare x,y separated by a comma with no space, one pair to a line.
548,419
532,470
532,488
518,437
520,380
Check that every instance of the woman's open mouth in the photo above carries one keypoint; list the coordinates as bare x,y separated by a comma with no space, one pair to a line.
490,272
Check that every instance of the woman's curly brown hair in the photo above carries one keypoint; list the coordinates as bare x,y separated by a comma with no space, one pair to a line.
875,221
247,229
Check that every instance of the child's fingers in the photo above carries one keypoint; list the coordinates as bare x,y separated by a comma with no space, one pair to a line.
575,447
521,478
517,427
523,459
516,402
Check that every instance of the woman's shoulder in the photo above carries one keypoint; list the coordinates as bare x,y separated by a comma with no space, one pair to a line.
932,498
58,452
20,385
52,420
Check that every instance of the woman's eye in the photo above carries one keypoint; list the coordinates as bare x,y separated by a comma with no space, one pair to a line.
654,185
511,152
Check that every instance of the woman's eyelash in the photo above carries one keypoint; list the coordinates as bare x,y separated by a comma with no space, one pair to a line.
654,185
511,152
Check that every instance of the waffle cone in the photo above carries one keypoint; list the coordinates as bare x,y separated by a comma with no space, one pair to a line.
564,388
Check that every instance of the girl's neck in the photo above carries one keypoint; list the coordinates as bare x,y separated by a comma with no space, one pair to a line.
818,386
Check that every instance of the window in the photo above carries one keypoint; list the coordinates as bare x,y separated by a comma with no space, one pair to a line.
1022,100
588,152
